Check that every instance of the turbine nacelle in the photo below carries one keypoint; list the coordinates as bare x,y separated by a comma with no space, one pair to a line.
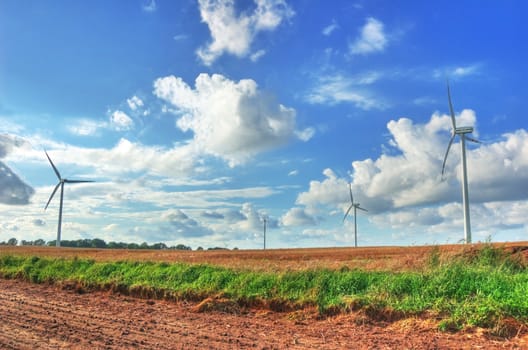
464,130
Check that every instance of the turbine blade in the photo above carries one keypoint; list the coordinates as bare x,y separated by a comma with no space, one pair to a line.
447,152
351,196
53,165
451,108
77,181
473,140
52,194
362,209
348,211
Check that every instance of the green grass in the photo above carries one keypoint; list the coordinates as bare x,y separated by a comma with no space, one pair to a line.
475,290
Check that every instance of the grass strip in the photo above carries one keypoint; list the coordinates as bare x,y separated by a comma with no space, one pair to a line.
481,290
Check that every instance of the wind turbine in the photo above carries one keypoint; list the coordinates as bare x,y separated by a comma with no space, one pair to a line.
355,206
461,131
265,219
61,185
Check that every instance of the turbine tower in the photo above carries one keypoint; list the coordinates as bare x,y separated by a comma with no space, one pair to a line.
265,219
61,185
461,131
355,206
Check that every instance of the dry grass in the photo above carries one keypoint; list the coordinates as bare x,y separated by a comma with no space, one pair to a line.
273,260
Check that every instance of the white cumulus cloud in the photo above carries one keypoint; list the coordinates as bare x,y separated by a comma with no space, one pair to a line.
403,187
134,102
231,120
372,38
297,217
234,33
121,121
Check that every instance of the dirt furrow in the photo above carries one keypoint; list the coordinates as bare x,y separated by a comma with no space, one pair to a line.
47,317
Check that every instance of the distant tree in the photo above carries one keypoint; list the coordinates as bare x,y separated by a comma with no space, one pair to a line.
117,245
24,242
144,245
70,244
12,241
158,246
199,248
84,243
39,242
182,247
133,246
98,243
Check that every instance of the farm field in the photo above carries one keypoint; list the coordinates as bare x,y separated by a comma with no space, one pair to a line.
371,258
51,316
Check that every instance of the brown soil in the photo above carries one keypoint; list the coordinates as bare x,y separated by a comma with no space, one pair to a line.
47,317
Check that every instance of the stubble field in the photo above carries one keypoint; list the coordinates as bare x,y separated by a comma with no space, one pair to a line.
56,314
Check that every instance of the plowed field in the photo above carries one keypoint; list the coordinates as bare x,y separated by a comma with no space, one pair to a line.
50,317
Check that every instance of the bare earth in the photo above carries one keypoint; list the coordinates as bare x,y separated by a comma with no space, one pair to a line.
48,317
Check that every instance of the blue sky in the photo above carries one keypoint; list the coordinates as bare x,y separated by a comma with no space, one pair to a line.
197,119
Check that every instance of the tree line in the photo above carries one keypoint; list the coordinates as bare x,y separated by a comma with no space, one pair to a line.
99,243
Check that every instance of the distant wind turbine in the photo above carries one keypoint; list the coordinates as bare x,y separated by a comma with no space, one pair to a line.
355,206
265,219
61,184
461,131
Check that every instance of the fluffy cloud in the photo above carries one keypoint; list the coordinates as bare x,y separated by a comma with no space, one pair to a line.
332,191
234,33
403,187
183,225
121,121
231,120
134,102
372,39
87,127
252,218
297,217
12,189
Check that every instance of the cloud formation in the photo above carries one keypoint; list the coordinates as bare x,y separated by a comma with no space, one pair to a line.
339,88
297,217
403,187
134,102
372,38
230,120
330,28
121,121
234,34
13,191
184,226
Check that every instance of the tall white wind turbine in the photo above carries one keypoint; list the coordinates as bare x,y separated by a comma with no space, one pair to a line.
61,185
461,131
355,206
